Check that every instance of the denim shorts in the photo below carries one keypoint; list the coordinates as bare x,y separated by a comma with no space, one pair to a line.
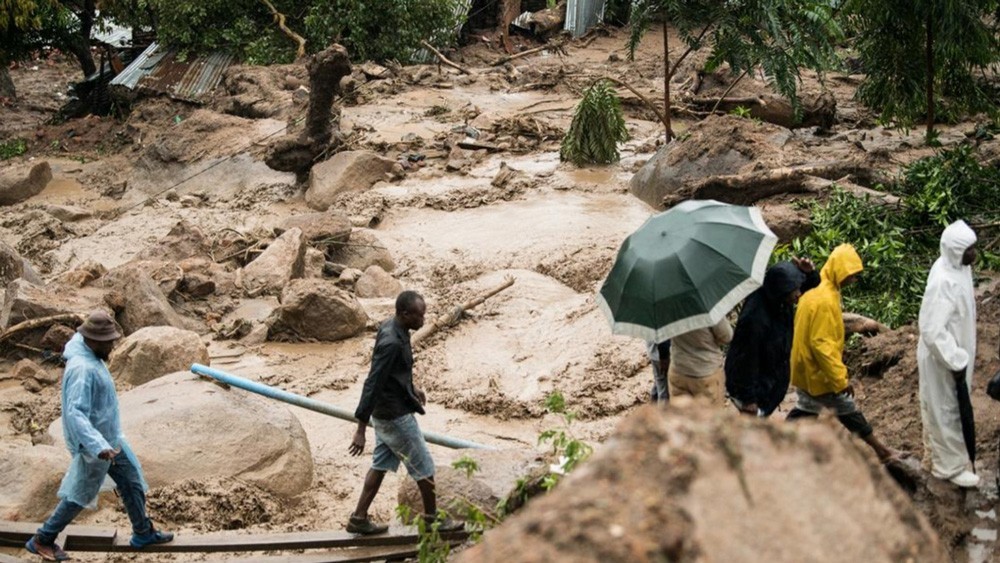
399,440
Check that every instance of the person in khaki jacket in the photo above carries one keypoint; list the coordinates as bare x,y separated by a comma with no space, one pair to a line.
696,362
818,371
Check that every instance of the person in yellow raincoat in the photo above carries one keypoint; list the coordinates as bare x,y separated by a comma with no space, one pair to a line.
818,371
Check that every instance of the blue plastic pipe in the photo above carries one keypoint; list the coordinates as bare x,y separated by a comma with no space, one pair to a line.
318,406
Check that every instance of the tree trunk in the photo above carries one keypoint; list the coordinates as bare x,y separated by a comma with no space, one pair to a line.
930,73
81,46
6,85
666,83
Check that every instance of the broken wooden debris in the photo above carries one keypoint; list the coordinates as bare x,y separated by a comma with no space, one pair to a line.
451,318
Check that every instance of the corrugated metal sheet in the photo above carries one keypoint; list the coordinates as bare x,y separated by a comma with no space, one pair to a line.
158,70
581,15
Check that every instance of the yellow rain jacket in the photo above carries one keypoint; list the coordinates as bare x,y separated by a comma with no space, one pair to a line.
818,341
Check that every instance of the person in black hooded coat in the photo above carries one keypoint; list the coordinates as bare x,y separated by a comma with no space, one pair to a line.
757,364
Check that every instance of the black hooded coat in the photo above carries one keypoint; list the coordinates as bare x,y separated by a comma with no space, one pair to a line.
757,363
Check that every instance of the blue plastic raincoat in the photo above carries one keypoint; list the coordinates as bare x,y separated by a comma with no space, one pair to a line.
91,424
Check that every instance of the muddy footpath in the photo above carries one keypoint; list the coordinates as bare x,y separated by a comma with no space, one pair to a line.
449,184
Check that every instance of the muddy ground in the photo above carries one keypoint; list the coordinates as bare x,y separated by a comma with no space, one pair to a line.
451,235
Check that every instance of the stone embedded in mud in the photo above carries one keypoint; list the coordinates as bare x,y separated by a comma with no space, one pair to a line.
329,226
315,309
376,282
56,337
24,301
203,276
348,171
315,261
155,351
144,304
183,241
455,490
365,250
32,475
719,145
11,265
182,427
68,213
692,483
22,181
33,376
82,275
282,261
167,275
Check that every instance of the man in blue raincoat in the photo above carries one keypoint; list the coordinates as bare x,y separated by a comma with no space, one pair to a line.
92,428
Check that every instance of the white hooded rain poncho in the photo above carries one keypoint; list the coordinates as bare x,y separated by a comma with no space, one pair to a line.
91,423
947,343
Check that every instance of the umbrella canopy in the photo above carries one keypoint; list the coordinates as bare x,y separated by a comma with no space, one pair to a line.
685,269
968,419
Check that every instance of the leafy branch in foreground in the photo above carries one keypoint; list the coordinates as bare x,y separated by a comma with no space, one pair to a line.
597,128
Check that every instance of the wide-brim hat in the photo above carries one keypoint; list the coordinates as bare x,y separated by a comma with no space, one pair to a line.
100,326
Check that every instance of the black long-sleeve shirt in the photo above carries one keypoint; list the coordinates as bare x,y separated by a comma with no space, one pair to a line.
388,392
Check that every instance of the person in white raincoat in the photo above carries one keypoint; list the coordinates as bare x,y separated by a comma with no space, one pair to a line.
946,353
92,429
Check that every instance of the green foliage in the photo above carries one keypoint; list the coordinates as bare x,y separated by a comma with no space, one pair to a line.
466,464
893,37
570,451
779,36
741,111
12,148
598,126
899,246
28,25
384,30
431,548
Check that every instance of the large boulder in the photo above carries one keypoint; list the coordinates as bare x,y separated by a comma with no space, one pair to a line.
32,475
144,304
692,484
182,427
365,250
167,275
155,351
314,309
718,145
280,262
455,489
24,301
183,241
20,182
329,226
376,282
347,171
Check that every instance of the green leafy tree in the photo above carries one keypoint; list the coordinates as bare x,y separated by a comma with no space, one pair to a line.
29,25
924,55
598,126
779,36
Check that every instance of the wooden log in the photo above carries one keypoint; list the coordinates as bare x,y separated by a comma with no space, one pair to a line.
859,324
747,188
353,555
40,322
452,317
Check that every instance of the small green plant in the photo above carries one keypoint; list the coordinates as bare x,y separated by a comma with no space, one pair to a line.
431,548
569,450
598,126
12,148
741,111
466,464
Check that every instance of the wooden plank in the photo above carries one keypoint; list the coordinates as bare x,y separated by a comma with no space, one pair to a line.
79,538
210,543
350,555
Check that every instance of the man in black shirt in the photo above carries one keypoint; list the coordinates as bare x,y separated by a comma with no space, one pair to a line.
388,402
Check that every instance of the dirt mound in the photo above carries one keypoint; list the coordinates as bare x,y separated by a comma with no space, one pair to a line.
215,505
693,484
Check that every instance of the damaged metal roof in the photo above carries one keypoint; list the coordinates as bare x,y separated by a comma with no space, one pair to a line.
582,15
157,70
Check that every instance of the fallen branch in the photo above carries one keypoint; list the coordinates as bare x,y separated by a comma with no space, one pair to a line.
444,60
858,324
279,18
659,113
452,318
507,59
40,322
745,189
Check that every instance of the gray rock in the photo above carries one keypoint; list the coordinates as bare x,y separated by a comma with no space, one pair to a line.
183,241
376,282
144,304
315,309
281,262
32,475
155,351
24,301
11,265
347,171
455,490
23,181
182,427
365,250
331,226
68,213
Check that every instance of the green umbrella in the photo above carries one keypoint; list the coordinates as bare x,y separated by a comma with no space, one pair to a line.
685,269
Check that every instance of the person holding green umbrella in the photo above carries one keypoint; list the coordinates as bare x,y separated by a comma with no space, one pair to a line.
685,269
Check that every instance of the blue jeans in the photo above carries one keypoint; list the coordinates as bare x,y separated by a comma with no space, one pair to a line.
126,477
399,440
